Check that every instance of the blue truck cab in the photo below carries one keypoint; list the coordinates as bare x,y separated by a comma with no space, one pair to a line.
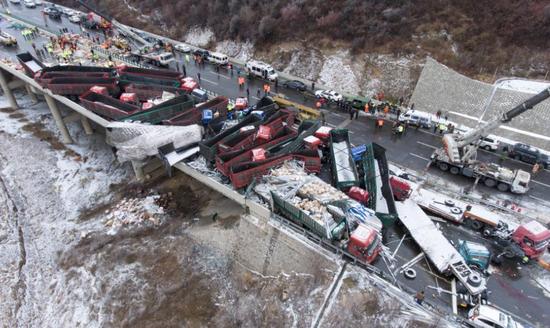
476,255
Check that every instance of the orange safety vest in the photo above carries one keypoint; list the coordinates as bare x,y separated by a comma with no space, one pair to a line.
265,87
380,122
268,89
318,104
386,109
366,107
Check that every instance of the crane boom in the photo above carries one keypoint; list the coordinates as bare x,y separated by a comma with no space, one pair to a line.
127,31
485,129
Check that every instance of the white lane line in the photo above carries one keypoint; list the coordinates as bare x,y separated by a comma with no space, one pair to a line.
255,97
418,156
220,75
203,79
426,145
539,199
540,183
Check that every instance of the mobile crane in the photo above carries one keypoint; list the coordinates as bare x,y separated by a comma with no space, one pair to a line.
459,151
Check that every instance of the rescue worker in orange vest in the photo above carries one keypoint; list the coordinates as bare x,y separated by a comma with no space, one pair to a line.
366,108
380,123
386,110
318,104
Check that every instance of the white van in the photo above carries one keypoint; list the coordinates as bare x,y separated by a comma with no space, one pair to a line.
261,69
217,58
417,118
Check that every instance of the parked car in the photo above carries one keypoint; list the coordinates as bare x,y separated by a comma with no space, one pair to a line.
53,12
182,47
38,2
329,95
295,84
74,19
201,53
417,118
358,102
490,317
261,70
489,143
29,3
528,154
15,2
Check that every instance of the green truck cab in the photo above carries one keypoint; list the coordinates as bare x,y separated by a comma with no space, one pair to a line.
476,255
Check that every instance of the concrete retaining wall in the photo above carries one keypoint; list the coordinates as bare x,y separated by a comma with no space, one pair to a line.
441,88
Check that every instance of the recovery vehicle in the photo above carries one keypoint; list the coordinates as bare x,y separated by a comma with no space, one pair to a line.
459,150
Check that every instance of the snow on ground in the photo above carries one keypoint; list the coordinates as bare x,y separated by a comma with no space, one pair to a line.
199,37
337,73
239,50
527,86
304,63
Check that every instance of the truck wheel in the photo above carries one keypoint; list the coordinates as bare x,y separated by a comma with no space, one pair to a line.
490,183
443,166
476,225
503,187
474,279
508,253
410,273
454,170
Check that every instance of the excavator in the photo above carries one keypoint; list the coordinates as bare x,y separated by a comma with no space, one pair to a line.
458,154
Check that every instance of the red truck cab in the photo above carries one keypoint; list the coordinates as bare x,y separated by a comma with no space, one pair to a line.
533,238
364,243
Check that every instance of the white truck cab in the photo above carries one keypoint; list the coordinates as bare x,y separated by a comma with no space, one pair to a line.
261,69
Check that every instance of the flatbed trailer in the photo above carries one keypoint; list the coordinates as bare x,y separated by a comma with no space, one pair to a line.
106,106
224,162
437,248
245,140
146,92
150,73
243,174
209,148
31,64
75,86
166,110
217,105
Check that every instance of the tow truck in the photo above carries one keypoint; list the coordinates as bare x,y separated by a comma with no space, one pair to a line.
527,241
459,151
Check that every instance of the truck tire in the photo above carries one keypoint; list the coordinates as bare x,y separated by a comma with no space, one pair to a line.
443,166
474,279
490,183
410,273
508,253
454,170
476,225
503,187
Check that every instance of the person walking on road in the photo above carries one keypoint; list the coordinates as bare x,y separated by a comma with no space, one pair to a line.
247,93
199,76
536,169
258,93
419,297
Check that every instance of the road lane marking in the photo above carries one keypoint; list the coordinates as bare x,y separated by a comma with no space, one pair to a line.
203,79
540,183
539,199
426,145
418,156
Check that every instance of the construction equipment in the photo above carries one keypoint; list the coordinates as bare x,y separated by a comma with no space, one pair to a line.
459,151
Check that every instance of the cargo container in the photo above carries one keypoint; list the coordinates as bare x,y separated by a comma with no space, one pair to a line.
73,87
165,110
106,106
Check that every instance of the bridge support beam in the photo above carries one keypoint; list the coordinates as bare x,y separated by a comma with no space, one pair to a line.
7,91
58,119
86,125
31,93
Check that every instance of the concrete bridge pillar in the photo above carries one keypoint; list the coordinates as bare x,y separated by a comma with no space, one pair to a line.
86,125
31,93
7,90
58,119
